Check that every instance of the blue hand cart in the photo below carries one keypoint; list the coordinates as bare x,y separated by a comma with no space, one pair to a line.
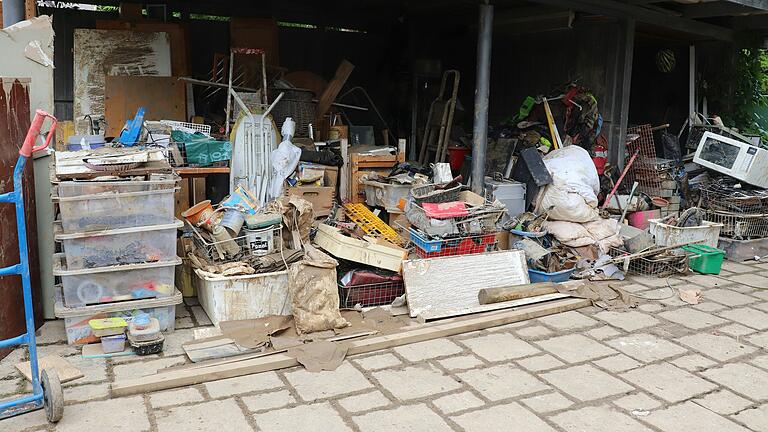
46,387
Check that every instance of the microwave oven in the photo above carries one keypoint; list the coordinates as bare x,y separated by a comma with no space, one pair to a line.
737,159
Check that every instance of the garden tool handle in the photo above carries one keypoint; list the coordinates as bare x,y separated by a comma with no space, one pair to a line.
34,130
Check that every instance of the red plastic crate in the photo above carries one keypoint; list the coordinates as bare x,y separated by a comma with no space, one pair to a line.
375,294
462,246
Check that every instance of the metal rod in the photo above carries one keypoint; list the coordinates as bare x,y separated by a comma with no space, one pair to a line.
229,88
480,129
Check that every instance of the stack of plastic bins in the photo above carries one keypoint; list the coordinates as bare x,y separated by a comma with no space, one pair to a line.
119,252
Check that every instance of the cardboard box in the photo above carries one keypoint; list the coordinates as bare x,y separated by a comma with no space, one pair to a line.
321,197
330,173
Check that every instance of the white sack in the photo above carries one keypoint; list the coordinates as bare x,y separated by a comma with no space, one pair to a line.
601,232
572,196
284,159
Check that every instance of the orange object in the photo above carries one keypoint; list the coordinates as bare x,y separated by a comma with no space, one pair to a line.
198,213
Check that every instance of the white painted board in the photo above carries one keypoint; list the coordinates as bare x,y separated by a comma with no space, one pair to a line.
448,286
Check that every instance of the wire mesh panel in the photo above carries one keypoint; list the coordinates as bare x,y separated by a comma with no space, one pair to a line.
459,245
743,211
646,168
661,265
375,294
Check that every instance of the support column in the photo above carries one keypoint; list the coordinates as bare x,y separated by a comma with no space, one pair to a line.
13,12
622,86
692,82
480,129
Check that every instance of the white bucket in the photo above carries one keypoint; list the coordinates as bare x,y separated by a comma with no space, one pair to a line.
260,241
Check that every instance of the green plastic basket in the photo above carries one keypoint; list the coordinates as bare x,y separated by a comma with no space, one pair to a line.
705,259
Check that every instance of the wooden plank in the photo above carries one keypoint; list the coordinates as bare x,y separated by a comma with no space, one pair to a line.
164,98
407,336
516,292
448,286
200,172
63,368
64,130
181,200
334,87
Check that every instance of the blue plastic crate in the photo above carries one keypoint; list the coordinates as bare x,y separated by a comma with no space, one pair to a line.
423,243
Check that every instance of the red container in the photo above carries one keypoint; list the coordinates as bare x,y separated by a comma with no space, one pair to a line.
600,158
456,156
462,246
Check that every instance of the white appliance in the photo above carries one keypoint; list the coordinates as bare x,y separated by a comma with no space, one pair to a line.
737,159
509,192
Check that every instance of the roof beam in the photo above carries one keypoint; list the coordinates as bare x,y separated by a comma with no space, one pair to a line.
623,10
716,9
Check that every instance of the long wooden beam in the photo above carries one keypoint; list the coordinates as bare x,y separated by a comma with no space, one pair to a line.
421,333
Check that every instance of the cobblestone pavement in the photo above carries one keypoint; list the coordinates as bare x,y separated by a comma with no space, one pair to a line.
665,366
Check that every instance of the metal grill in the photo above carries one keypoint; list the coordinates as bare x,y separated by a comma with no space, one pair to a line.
743,211
240,247
647,170
375,294
661,265
457,245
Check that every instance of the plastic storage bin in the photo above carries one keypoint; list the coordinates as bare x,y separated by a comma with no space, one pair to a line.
540,276
73,189
705,259
511,193
108,211
113,344
115,283
668,235
76,319
119,246
385,195
243,297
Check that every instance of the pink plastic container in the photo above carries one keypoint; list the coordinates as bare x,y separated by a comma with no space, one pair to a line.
641,219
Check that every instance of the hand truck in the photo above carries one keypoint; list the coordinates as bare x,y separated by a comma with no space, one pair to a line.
46,387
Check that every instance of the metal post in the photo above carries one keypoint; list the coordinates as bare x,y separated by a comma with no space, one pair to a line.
13,12
480,129
692,82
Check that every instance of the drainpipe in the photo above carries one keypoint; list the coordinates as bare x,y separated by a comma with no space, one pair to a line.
13,12
480,128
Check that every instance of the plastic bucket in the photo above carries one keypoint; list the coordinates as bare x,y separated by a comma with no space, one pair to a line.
456,156
260,241
198,212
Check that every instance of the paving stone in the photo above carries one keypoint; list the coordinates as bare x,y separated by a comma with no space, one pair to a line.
533,332
761,306
692,318
748,317
604,332
10,386
319,417
598,419
59,350
540,363
379,361
30,421
319,385
460,362
144,368
411,418
760,361
635,402
8,364
628,321
51,332
668,382
728,297
705,281
268,401
415,382
200,316
174,341
203,417
634,288
744,289
87,392
547,402
184,323
723,402
693,362
617,363
651,307
94,370
653,281
575,348
690,417
646,347
742,378
108,415
719,347
500,346
586,382
244,384
736,267
763,294
502,382
182,311
514,416
571,320
750,279
452,403
735,330
364,402
428,349
759,339
755,418
708,306
175,397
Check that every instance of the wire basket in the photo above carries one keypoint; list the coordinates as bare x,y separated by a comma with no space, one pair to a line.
428,194
375,294
740,226
479,221
255,243
743,211
459,245
203,128
662,265
297,104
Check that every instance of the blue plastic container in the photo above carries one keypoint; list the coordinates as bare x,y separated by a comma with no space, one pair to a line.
540,276
425,244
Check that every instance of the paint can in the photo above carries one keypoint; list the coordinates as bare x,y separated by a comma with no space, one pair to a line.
261,241
233,221
224,243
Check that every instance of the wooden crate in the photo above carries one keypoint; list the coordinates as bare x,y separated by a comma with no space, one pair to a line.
366,165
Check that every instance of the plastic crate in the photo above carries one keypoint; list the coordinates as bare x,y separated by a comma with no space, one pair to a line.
76,319
375,294
465,245
385,195
705,259
109,284
73,189
106,211
119,246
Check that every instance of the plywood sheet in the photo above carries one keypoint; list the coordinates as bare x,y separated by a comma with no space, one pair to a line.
448,286
177,32
163,97
98,53
63,368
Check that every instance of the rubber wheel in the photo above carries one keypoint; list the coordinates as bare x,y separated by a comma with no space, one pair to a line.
53,395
